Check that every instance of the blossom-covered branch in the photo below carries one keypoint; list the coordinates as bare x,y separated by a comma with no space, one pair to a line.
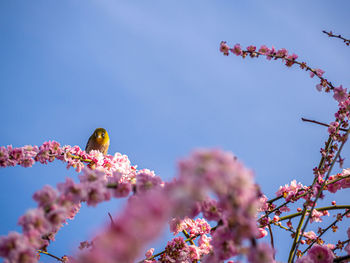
330,34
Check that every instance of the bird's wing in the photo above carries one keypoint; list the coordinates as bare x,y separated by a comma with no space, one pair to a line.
88,143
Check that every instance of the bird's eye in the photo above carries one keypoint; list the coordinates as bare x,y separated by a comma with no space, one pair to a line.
103,134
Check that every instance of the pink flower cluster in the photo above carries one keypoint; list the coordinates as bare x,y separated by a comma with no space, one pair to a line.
141,221
317,253
290,192
113,176
218,173
178,251
193,227
204,173
340,94
264,50
27,155
342,183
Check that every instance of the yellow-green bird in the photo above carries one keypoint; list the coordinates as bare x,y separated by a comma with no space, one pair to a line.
99,141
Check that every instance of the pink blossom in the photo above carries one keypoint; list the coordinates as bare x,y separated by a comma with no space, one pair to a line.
204,244
224,48
318,71
262,233
85,244
4,156
15,155
310,235
149,253
340,94
194,253
264,205
319,87
199,227
57,216
282,52
237,50
34,221
122,189
321,254
251,48
210,209
16,248
146,180
96,192
316,216
261,253
177,225
293,56
46,196
270,53
72,191
264,49
290,191
284,209
305,259
175,251
290,60
223,243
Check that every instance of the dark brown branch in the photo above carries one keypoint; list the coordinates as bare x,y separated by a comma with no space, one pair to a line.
49,254
271,237
320,123
340,259
326,229
330,34
112,222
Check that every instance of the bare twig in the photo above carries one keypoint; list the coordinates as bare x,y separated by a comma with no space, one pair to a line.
112,222
49,254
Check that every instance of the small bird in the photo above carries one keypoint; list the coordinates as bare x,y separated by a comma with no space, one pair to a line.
99,141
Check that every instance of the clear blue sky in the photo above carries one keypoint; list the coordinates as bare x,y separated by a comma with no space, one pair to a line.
150,72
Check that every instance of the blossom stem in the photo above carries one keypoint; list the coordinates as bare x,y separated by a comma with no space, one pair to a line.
297,233
283,227
301,195
333,207
112,221
330,34
297,237
271,236
187,236
302,65
49,254
326,229
162,252
342,244
340,259
320,123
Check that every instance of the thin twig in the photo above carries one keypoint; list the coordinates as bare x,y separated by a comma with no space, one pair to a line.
340,259
342,244
49,254
320,209
112,222
318,195
321,123
325,230
330,34
271,237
